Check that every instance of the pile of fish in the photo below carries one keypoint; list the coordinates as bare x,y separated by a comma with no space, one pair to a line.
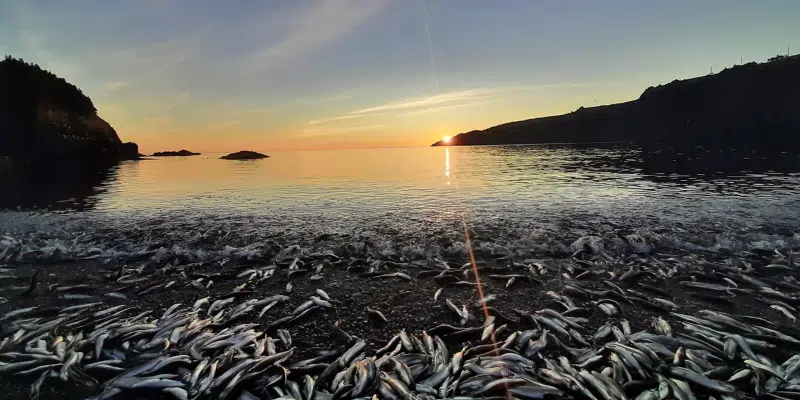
201,352
649,344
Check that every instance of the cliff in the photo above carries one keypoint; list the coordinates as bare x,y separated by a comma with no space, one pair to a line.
752,105
45,119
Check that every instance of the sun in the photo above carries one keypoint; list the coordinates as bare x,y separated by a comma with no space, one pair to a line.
446,139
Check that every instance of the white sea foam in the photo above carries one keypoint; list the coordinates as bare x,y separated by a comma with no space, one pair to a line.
27,237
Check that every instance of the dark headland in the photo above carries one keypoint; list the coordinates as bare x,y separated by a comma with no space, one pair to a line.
179,153
45,120
754,104
244,155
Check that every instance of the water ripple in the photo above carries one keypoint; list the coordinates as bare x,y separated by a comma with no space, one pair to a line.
413,200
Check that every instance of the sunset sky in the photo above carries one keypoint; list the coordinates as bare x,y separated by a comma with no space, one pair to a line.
272,75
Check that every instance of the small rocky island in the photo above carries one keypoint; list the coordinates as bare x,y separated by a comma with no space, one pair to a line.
244,155
179,153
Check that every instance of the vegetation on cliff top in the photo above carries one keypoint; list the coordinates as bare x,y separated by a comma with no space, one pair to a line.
27,84
46,120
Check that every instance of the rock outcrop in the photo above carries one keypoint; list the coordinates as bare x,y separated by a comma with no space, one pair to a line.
746,105
179,153
44,119
244,155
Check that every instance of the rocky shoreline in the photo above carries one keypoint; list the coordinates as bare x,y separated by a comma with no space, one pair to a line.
592,291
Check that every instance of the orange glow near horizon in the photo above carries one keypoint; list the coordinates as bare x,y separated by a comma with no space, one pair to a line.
407,122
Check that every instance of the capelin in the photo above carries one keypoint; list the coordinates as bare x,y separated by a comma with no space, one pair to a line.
377,315
320,302
323,294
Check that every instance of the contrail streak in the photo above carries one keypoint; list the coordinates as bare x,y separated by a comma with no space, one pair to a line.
430,45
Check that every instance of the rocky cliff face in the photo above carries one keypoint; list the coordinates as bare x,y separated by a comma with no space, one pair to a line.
752,104
45,119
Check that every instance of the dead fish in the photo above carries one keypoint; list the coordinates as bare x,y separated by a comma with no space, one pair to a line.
453,307
219,304
511,282
662,326
285,337
706,286
377,314
295,273
239,288
150,289
323,295
488,332
465,315
197,283
394,275
784,311
266,308
320,302
200,303
178,393
250,273
73,288
18,312
75,296
32,284
485,300
302,307
608,309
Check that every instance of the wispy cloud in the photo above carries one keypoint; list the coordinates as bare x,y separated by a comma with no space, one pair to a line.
334,119
323,99
339,130
424,105
430,110
419,102
312,28
114,86
462,96
159,58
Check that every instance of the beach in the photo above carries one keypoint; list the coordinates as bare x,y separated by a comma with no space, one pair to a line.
407,300
600,260
367,199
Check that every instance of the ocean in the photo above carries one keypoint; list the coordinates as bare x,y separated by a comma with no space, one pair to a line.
412,203
210,279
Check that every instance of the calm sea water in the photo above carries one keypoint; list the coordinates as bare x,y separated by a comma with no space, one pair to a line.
412,201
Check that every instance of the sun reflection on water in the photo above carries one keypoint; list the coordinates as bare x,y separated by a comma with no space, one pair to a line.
447,163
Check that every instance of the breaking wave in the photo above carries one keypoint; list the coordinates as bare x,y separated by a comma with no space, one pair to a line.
525,201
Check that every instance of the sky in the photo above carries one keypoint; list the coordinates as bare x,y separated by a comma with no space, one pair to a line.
272,75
